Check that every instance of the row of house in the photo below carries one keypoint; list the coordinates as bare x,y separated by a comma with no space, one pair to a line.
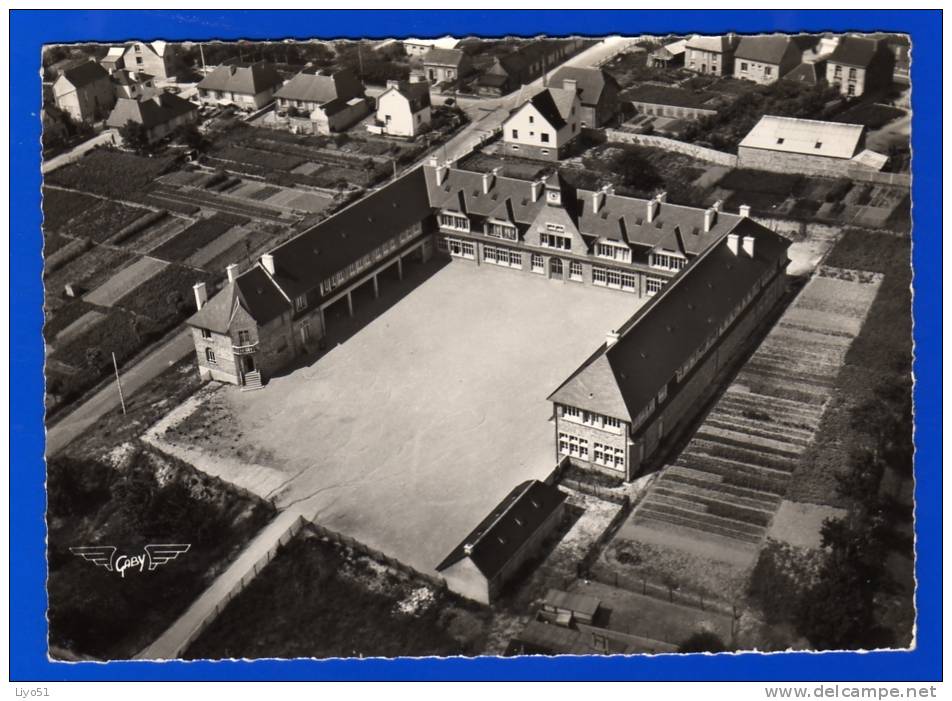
855,64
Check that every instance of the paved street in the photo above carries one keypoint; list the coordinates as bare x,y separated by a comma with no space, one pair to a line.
107,399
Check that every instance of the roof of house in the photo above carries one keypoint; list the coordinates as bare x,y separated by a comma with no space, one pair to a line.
114,55
499,536
621,380
590,82
807,73
84,74
619,219
717,44
242,78
854,51
806,136
763,49
333,244
321,86
438,56
554,104
124,77
666,95
570,601
150,111
254,291
418,94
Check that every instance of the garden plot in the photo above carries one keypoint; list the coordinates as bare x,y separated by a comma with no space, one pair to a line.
721,494
116,287
202,199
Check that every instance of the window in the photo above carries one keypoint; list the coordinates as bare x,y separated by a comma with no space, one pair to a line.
206,333
743,66
538,263
454,221
575,271
501,231
608,456
628,282
653,285
553,241
852,74
544,136
838,70
531,119
210,356
555,266
851,90
244,338
780,140
668,262
613,251
441,245
818,144
573,446
599,276
300,302
768,70
515,133
461,249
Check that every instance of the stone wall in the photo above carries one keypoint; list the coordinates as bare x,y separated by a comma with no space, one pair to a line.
700,152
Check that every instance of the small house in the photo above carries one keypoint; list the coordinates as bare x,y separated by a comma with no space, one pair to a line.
764,59
249,86
160,114
859,65
333,100
84,92
446,66
403,109
543,126
711,54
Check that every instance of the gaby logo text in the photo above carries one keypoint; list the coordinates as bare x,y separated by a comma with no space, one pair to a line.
152,556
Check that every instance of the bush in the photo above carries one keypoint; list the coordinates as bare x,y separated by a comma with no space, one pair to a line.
703,641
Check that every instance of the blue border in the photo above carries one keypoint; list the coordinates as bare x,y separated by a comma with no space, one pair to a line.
29,30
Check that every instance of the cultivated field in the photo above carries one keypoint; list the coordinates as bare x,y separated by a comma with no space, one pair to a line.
411,431
717,500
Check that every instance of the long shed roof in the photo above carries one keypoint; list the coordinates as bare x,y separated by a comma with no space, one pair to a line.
805,136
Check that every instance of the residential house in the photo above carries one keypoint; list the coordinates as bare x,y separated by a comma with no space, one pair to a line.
511,535
332,100
543,126
114,60
249,86
813,73
711,54
597,93
403,109
668,56
764,59
417,48
811,147
859,65
152,58
84,92
446,67
161,114
132,85
510,71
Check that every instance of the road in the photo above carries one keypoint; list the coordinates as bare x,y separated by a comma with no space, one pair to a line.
107,398
108,137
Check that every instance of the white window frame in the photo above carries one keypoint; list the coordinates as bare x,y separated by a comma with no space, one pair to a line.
576,271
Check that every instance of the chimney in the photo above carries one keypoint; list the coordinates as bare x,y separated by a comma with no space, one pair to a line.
441,173
598,199
732,243
661,197
744,210
267,261
232,272
489,180
570,84
201,294
652,210
717,205
468,549
537,190
748,244
393,83
611,338
710,217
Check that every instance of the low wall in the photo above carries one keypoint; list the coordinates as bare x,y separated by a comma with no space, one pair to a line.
777,162
700,152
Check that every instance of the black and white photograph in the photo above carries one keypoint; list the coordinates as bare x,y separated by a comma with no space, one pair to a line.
476,345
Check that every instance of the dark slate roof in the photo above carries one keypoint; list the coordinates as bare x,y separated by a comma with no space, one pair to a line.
494,542
242,78
312,85
854,51
330,246
621,380
417,93
443,57
807,73
545,103
254,291
764,49
666,95
619,219
591,82
85,74
149,112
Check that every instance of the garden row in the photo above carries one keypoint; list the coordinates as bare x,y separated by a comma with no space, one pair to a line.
197,236
730,478
197,199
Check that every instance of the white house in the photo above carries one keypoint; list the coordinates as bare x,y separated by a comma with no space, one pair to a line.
543,127
403,109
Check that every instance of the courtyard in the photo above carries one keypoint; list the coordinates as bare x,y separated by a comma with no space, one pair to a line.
405,435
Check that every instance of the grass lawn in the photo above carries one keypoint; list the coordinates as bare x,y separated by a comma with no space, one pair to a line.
148,498
317,599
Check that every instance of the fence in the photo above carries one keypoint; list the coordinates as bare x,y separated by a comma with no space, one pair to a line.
700,152
878,178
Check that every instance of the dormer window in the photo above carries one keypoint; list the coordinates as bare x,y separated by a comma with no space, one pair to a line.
501,230
607,249
300,302
457,222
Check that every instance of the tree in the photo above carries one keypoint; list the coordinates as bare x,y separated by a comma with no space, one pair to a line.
189,135
136,137
703,641
636,172
94,358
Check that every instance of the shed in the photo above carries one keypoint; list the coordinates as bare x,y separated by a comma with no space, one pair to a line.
579,607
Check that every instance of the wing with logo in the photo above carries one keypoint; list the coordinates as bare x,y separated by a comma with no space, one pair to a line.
101,555
159,554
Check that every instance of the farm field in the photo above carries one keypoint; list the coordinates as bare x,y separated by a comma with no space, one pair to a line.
114,174
116,287
200,234
718,498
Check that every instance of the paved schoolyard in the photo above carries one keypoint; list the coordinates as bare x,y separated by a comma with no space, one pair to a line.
407,434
